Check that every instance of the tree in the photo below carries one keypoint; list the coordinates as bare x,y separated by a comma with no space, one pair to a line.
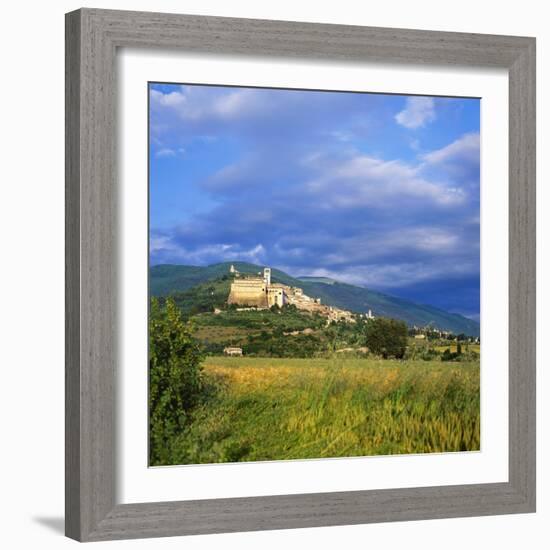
387,337
176,383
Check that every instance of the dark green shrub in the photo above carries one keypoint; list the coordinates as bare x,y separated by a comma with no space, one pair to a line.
176,383
387,337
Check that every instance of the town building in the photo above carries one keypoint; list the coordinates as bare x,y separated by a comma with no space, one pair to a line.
254,290
258,291
233,351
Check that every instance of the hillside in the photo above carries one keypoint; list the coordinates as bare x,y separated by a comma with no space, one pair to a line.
168,279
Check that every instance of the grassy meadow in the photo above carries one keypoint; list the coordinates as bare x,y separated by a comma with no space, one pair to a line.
295,408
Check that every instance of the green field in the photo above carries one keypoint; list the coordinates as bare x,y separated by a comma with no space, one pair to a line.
289,408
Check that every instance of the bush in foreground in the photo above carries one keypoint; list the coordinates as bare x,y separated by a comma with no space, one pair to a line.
176,381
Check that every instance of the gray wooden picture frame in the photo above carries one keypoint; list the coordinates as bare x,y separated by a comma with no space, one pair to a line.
92,39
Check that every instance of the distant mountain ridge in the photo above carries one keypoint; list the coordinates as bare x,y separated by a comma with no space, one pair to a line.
166,279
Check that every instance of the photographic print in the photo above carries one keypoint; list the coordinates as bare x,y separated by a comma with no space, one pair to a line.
314,274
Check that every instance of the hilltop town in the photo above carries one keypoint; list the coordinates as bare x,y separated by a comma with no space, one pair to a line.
259,292
207,288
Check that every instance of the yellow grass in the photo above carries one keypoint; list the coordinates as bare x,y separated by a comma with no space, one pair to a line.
273,409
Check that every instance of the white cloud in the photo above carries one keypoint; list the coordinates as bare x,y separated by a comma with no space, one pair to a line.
165,152
392,275
160,242
428,239
372,247
396,275
208,104
163,248
212,253
236,103
418,112
367,181
176,98
466,148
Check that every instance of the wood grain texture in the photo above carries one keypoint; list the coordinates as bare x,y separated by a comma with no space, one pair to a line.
72,277
92,37
522,274
225,35
307,510
91,337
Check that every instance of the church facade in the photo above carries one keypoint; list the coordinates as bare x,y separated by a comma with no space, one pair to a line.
256,291
259,291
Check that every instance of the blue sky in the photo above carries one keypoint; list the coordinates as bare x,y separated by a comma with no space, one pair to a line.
376,190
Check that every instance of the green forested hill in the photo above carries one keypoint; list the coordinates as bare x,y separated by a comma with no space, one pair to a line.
168,279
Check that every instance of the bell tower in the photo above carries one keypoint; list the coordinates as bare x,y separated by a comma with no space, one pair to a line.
267,275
